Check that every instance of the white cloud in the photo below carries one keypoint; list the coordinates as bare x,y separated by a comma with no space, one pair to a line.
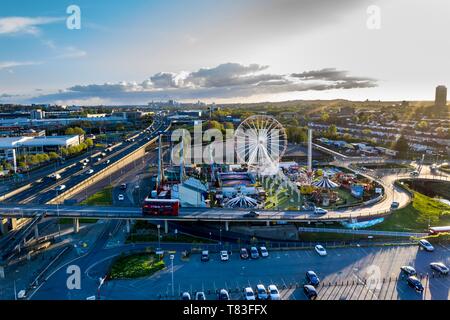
222,82
27,25
13,64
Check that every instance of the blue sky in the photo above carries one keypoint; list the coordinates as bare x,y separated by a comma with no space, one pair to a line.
223,50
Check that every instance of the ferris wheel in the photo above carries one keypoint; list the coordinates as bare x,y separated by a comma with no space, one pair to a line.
260,143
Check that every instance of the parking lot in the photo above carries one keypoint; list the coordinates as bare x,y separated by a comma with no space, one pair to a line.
364,273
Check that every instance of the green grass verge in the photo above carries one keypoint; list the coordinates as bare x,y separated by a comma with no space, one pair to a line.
135,266
101,198
417,215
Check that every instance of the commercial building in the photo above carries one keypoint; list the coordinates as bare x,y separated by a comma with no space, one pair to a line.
34,145
441,96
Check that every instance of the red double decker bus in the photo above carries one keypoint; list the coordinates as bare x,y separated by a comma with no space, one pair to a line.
161,207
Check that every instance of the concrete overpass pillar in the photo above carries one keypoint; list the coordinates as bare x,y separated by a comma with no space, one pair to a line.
4,226
128,228
76,225
166,227
227,225
36,232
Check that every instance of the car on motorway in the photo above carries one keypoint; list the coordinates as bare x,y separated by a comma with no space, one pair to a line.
408,270
60,187
200,296
395,205
415,283
205,255
224,255
439,267
185,296
123,186
426,245
274,294
310,292
251,214
55,176
223,295
261,292
90,171
249,295
108,161
244,253
312,278
414,173
318,210
120,197
254,254
263,251
320,250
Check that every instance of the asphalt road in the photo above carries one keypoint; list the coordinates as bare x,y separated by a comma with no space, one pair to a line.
42,192
342,274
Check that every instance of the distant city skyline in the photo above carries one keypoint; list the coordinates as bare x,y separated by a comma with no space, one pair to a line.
222,51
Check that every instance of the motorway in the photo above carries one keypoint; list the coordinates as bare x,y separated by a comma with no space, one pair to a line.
43,190
343,273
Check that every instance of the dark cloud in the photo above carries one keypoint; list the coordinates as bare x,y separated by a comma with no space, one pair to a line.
224,81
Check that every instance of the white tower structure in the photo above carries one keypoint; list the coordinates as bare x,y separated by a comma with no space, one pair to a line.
309,150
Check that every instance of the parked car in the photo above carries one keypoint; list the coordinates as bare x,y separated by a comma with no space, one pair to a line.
251,214
254,254
261,292
408,270
61,187
439,267
200,296
312,278
395,205
244,253
426,245
310,292
320,211
320,250
223,295
415,173
415,283
185,296
120,197
249,295
274,294
264,252
205,255
224,255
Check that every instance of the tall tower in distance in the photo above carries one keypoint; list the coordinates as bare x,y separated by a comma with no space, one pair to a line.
441,96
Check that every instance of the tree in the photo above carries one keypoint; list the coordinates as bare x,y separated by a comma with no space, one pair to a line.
324,117
422,125
89,143
332,131
69,131
79,131
53,155
402,147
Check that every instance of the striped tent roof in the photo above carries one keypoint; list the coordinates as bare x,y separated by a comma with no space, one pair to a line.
325,183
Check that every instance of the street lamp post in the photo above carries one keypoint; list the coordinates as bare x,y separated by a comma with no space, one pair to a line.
159,238
171,260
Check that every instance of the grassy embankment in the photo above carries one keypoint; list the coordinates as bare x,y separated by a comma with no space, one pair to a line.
135,266
101,198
